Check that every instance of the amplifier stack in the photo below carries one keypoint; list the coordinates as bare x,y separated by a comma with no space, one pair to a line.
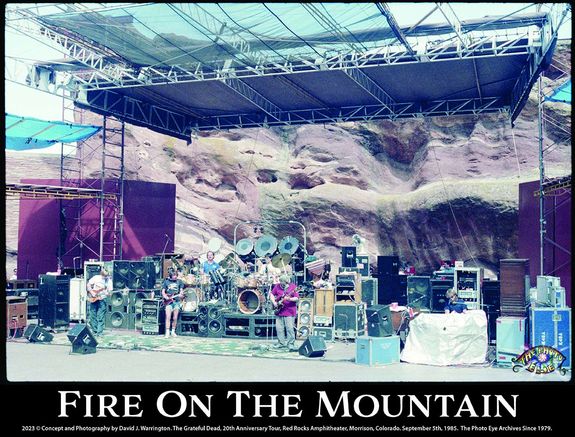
514,287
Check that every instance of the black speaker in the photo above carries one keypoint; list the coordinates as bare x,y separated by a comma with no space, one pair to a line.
54,301
438,289
418,291
379,323
392,288
348,256
82,339
313,346
387,265
142,275
120,274
35,333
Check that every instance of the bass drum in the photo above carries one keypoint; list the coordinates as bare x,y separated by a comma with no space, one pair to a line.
192,299
251,301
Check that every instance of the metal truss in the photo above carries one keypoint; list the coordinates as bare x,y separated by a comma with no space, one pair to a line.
364,81
254,97
139,113
531,70
106,72
554,185
110,102
32,191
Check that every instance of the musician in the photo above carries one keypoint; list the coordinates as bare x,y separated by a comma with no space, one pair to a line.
454,305
98,288
172,292
284,297
210,265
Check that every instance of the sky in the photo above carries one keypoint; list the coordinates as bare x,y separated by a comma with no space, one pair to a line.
24,101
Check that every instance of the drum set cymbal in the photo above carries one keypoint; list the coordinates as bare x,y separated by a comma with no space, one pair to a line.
281,260
214,245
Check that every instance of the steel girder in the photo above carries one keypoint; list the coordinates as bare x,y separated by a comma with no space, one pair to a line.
181,126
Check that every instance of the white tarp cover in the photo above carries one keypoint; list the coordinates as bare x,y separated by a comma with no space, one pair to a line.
447,339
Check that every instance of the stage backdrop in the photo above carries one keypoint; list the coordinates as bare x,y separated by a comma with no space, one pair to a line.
149,224
558,217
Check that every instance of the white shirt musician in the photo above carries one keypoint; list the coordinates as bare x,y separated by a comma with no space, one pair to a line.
98,288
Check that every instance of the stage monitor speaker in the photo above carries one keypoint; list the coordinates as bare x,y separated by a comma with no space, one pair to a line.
387,265
35,333
379,323
348,256
304,318
82,339
418,292
313,346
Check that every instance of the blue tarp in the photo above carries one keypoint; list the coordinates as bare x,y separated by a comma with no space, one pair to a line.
25,133
561,94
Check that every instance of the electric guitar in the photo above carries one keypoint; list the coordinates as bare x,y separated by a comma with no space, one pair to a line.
101,294
281,302
171,298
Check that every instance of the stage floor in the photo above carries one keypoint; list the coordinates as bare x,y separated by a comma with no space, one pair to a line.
131,356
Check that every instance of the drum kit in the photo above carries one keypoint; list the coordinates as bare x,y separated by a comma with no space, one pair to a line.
246,276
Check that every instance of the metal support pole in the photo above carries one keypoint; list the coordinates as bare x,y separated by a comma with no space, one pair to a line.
541,176
120,197
102,181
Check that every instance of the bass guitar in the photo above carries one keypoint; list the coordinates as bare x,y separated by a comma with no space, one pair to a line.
171,298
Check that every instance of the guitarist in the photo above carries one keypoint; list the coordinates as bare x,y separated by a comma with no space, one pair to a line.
173,293
284,297
98,288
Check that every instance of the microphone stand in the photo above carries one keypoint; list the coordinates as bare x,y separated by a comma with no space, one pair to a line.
164,253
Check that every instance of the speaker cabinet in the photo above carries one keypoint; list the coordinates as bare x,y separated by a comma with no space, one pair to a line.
369,291
252,326
91,269
118,319
438,289
31,295
157,268
387,265
54,301
348,256
136,297
491,304
348,320
211,320
418,292
35,333
314,346
82,339
304,318
379,321
187,323
392,288
514,287
142,275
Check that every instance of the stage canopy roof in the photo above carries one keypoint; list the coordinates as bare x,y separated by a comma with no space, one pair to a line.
184,67
25,133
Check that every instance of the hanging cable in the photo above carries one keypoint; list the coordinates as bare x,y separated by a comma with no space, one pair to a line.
451,208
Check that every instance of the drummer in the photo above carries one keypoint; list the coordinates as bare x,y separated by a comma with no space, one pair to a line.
210,265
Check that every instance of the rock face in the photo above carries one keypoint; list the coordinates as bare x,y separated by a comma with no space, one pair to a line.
423,189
